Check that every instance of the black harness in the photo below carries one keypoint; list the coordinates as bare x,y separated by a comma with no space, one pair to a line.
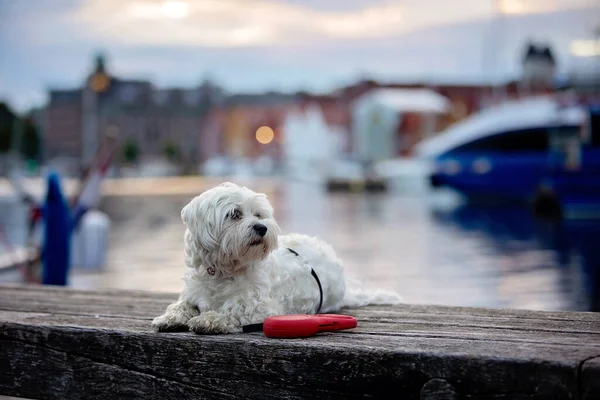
259,327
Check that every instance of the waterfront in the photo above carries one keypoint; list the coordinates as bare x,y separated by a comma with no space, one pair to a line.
424,246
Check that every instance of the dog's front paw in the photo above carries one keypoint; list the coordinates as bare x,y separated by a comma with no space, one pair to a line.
168,323
211,323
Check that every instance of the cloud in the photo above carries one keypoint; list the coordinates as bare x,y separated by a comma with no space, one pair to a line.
266,44
230,23
243,23
538,6
253,23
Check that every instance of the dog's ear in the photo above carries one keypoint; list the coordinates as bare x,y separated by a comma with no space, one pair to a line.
199,221
185,214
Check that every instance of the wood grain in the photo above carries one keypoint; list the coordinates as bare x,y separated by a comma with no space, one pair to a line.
70,344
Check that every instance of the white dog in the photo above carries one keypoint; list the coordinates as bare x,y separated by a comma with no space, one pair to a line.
243,271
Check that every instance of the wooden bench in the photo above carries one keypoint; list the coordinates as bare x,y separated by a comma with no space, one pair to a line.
59,343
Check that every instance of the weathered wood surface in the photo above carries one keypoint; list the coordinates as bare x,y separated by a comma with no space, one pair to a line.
71,344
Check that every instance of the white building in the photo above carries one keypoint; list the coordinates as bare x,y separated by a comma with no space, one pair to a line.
309,143
539,67
377,117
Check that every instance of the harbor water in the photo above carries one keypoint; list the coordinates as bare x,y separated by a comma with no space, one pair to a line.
429,247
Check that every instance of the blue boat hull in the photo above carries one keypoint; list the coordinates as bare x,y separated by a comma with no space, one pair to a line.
522,178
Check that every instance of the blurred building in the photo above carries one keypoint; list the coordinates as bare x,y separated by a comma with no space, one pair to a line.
76,121
200,123
584,68
539,68
229,130
63,125
389,122
316,131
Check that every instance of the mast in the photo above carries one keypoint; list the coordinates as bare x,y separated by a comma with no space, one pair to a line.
499,89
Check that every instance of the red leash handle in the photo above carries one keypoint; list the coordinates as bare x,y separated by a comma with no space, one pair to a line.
305,325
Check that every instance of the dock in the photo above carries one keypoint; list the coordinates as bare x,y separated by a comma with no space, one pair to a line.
60,343
140,186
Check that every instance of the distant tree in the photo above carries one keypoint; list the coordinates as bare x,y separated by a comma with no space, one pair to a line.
30,140
130,152
302,94
7,123
171,152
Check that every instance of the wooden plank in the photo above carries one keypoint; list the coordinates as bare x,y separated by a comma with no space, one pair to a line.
83,301
382,320
412,328
405,324
363,336
410,351
12,289
250,367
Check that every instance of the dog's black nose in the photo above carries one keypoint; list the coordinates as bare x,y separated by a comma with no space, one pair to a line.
260,229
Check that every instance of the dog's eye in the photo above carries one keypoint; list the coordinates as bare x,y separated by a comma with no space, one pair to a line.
236,214
257,215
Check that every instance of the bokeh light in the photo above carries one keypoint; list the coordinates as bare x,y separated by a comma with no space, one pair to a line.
264,135
100,82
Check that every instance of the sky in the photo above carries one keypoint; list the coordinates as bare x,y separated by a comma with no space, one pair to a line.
288,45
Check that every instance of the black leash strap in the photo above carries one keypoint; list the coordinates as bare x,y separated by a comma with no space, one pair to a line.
314,274
252,328
259,327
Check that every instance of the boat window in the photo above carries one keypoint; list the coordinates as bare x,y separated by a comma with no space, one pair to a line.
522,140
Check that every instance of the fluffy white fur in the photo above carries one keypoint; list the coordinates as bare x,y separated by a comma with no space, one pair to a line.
238,277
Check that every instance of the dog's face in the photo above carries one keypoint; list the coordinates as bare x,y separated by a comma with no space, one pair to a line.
228,227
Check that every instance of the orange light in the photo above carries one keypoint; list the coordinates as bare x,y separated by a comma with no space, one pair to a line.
99,83
264,135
